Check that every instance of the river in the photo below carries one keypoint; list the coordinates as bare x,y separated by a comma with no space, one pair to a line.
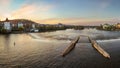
43,50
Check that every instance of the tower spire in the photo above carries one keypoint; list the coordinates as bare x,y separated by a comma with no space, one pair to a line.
6,19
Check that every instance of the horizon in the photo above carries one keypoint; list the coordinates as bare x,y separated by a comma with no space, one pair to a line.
65,23
73,12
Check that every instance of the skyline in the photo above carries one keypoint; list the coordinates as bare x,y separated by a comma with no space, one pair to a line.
82,12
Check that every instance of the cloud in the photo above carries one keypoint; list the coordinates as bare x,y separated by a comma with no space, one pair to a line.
101,8
24,10
31,10
5,2
104,4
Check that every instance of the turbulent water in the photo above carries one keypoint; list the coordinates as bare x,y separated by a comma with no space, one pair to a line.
43,50
69,34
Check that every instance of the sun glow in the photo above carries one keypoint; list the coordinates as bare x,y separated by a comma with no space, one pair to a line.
7,15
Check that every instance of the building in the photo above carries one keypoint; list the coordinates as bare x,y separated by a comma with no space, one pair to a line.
118,26
33,26
59,25
7,25
20,24
1,24
105,26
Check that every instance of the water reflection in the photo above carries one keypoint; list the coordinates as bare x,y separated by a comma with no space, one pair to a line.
5,43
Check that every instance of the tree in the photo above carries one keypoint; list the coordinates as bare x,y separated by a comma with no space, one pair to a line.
21,28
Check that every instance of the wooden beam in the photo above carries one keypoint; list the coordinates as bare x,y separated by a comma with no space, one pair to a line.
70,48
99,49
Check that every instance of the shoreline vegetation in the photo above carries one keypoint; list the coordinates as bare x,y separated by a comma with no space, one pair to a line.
27,26
109,27
17,26
44,30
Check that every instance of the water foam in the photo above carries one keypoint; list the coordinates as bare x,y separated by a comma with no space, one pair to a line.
42,39
33,35
108,40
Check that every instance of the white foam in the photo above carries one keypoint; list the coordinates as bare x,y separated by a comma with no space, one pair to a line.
34,35
52,41
109,40
41,39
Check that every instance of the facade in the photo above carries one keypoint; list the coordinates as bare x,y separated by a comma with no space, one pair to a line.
20,24
13,25
60,25
33,26
7,26
105,26
118,26
1,25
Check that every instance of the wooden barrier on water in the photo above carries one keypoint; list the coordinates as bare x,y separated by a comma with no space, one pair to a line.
68,49
99,49
94,44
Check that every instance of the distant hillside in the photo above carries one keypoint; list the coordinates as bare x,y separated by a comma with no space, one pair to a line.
25,21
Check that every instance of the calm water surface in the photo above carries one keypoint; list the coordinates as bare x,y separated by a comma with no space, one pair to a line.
43,50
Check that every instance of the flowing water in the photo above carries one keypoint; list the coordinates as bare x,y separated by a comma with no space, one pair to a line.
43,50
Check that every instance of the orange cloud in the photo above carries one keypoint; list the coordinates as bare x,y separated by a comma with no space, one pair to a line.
24,10
31,11
27,10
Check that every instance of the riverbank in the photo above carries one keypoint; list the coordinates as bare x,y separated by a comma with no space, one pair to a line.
108,29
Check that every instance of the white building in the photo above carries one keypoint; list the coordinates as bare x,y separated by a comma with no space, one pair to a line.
60,25
7,26
33,26
13,25
118,25
20,24
105,26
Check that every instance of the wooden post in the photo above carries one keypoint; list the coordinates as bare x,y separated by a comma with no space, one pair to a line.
70,48
99,49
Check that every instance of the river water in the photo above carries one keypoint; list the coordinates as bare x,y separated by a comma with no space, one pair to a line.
43,50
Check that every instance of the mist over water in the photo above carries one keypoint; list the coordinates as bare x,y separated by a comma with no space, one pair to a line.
70,34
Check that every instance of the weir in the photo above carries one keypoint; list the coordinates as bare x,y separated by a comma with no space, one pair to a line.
85,40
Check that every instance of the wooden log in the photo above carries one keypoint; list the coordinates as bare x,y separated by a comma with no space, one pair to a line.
102,51
70,48
99,49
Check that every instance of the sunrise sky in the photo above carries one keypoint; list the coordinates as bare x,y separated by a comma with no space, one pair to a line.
83,12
